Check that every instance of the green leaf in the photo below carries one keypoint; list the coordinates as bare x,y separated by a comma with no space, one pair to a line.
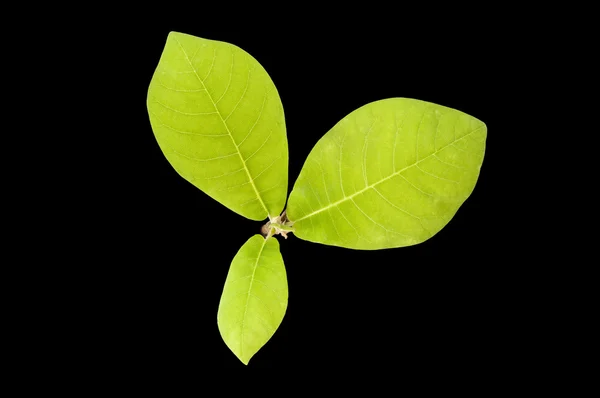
390,174
254,298
218,119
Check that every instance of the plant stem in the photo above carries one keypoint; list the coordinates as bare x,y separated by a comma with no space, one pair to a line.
282,227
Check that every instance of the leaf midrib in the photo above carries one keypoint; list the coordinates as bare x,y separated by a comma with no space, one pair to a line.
248,297
346,198
226,128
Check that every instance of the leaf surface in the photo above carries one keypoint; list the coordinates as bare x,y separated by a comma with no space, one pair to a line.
219,121
391,173
254,298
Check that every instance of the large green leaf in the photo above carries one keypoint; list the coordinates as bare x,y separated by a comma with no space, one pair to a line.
219,121
254,298
390,174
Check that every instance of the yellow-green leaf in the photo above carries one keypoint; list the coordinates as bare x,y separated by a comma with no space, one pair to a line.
219,121
390,174
254,298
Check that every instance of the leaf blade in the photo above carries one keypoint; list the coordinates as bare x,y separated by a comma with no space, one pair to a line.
219,121
254,298
417,163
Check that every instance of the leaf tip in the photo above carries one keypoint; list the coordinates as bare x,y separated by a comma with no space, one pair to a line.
245,360
177,36
241,354
173,34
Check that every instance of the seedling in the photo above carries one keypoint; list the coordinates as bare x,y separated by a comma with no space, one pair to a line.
391,173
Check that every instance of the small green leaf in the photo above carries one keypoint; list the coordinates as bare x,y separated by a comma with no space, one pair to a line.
254,298
218,119
390,174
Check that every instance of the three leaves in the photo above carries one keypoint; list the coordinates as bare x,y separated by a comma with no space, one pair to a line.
390,174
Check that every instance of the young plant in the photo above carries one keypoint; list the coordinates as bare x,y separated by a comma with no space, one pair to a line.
390,174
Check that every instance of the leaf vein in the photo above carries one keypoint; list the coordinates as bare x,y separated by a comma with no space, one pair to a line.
376,223
242,96
201,160
257,119
449,164
184,113
178,90
229,82
394,206
271,289
183,131
351,225
436,176
340,163
211,65
364,162
262,145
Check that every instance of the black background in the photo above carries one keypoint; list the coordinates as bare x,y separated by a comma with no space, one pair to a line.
442,303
